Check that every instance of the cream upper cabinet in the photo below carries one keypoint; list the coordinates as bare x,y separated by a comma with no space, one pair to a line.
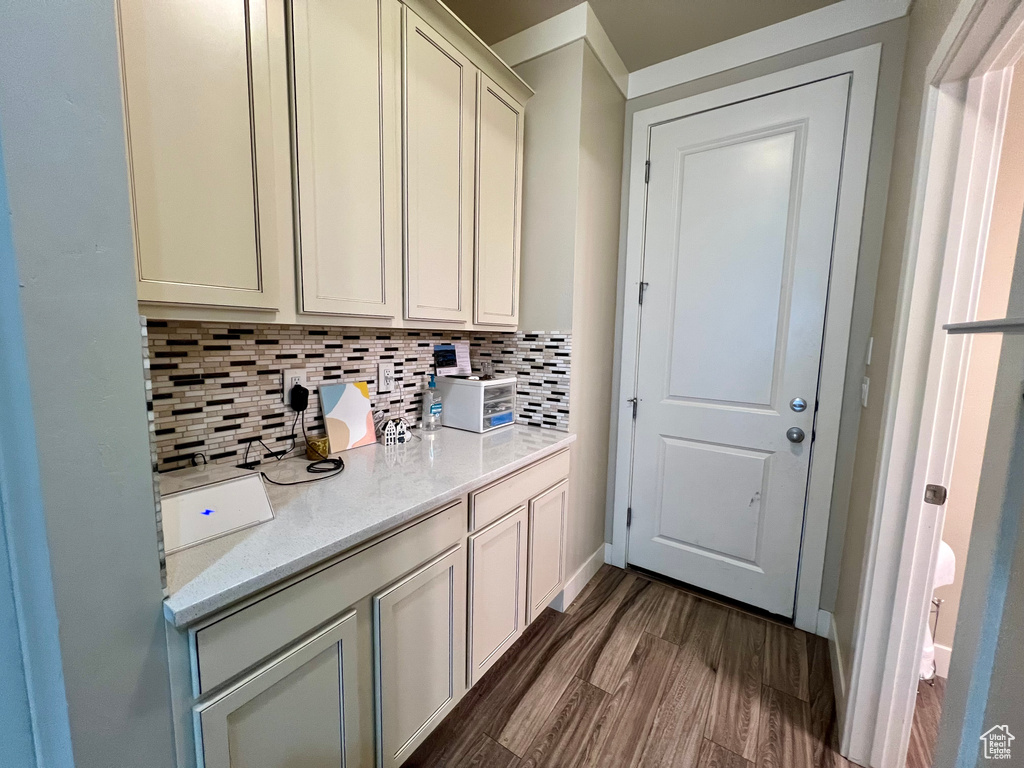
497,590
499,164
420,648
201,149
548,514
439,99
298,709
345,86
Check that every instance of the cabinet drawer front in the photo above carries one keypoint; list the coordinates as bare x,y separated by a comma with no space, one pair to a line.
234,643
419,638
197,82
492,502
548,514
497,590
297,710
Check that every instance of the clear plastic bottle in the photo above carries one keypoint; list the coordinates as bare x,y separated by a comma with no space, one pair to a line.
432,407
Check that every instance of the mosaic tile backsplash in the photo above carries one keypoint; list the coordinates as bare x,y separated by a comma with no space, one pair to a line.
216,388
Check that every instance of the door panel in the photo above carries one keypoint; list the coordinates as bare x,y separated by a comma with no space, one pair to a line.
420,648
548,513
734,204
440,99
697,512
499,189
497,588
738,246
299,710
344,79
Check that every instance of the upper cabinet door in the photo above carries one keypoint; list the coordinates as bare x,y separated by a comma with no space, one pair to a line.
499,135
439,119
344,61
201,150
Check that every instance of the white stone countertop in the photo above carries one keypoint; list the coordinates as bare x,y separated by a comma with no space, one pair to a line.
379,490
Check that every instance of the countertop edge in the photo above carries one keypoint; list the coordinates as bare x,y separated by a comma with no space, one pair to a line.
194,612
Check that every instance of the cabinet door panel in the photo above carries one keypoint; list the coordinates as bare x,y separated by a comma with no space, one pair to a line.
299,710
548,514
420,625
344,72
497,589
499,185
197,102
439,100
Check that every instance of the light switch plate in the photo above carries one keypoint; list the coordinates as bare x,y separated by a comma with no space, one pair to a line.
289,379
385,378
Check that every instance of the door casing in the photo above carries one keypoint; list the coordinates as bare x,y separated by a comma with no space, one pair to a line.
863,64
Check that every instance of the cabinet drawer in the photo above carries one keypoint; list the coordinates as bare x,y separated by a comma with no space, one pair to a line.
237,641
492,502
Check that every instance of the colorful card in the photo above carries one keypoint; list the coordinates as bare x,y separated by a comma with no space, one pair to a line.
347,415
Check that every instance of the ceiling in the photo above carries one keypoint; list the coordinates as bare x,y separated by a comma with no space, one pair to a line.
644,32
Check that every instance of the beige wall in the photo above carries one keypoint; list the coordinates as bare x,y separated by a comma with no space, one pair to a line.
1008,206
892,36
551,167
928,20
571,186
597,238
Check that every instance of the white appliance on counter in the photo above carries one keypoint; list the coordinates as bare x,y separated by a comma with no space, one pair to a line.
212,510
477,405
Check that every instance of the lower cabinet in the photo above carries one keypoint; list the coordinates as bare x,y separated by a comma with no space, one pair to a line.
548,513
497,589
419,639
355,662
296,710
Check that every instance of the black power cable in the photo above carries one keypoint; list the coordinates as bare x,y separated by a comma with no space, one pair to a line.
325,466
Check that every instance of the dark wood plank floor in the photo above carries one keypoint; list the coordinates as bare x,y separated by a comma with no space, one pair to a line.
925,730
638,673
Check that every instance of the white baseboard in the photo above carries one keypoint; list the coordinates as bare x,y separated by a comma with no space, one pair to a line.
838,670
824,623
575,583
942,654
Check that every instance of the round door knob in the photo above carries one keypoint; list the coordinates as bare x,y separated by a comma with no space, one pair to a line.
798,404
795,435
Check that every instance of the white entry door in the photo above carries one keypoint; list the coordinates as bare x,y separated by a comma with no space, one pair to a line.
741,207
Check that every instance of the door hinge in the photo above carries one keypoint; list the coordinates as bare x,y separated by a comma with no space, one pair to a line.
647,172
629,516
643,287
635,403
935,494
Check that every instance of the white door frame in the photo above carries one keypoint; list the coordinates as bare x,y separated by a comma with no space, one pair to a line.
863,64
961,127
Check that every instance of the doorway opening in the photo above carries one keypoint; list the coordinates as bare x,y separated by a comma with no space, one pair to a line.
949,412
688,353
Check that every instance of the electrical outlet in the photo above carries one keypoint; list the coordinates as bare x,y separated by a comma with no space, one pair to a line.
289,379
385,378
